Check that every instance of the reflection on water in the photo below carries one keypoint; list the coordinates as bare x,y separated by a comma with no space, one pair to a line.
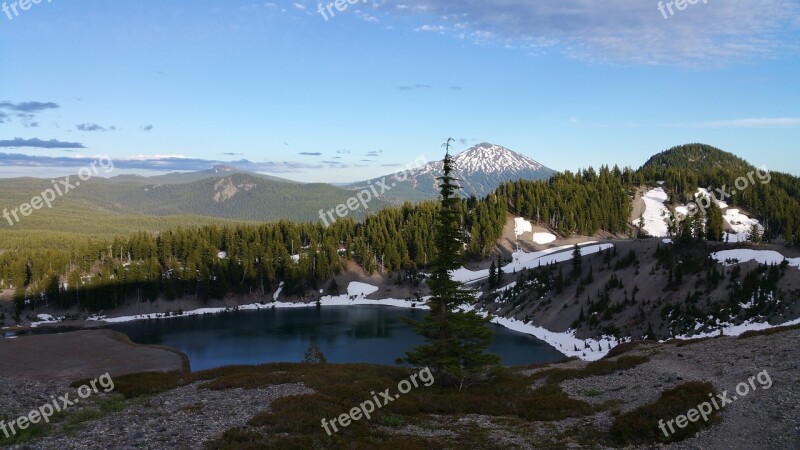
346,334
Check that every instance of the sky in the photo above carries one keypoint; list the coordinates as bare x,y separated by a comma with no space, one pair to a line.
338,96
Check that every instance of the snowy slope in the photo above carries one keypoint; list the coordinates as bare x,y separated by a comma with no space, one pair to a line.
523,260
656,214
741,225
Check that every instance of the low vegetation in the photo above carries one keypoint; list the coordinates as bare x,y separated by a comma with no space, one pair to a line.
641,425
594,369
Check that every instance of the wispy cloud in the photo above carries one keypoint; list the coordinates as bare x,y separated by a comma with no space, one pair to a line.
91,127
28,107
414,87
38,143
615,30
25,111
753,123
310,154
146,128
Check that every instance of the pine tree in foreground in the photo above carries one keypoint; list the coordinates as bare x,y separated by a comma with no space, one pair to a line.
455,340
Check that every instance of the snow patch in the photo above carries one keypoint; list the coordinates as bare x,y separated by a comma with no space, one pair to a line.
278,292
656,213
741,225
736,330
566,342
522,260
543,238
361,289
743,255
522,226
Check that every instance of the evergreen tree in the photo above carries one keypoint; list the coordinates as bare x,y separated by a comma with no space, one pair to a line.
492,276
714,224
754,235
500,273
686,231
577,259
455,340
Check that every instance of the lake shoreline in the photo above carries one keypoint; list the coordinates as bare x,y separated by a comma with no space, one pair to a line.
565,342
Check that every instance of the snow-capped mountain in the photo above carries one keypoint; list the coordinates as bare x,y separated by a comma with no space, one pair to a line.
481,169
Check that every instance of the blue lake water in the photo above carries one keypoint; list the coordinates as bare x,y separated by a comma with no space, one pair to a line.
345,334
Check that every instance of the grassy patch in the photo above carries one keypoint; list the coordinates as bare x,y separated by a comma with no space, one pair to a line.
594,369
69,421
768,332
295,422
102,407
34,431
687,342
621,349
148,383
642,425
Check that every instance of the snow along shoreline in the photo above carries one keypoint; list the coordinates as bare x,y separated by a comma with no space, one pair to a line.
566,342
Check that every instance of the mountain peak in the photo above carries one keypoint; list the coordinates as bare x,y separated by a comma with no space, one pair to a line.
491,158
480,170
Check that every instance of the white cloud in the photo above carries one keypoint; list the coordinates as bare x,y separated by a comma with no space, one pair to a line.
431,28
716,32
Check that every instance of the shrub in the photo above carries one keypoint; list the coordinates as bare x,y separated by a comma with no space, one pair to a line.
641,426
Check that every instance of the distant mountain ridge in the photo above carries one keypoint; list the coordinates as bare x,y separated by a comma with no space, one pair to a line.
480,169
217,171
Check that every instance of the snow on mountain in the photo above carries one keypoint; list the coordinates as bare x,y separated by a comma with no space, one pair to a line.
480,169
489,158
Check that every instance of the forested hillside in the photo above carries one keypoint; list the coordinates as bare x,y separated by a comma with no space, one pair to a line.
771,196
117,207
581,203
210,261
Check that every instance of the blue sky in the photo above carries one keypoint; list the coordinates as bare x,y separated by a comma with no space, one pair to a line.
569,83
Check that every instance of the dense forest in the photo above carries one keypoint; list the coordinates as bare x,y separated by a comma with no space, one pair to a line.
211,261
583,203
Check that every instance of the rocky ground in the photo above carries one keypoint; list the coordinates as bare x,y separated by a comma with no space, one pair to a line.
188,416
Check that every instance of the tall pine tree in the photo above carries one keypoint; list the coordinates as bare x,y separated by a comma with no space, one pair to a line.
455,340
